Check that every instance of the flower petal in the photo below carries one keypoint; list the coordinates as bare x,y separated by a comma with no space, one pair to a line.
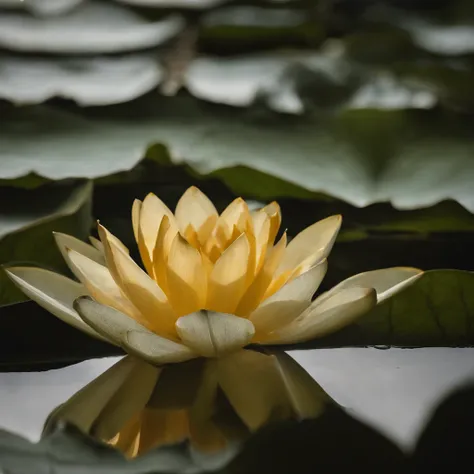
65,241
152,211
311,245
156,349
235,215
274,212
97,244
253,385
385,281
227,281
289,302
107,321
140,289
128,400
326,316
53,292
256,291
100,283
196,209
186,277
213,334
136,209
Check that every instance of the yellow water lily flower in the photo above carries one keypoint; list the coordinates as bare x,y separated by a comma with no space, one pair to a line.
214,283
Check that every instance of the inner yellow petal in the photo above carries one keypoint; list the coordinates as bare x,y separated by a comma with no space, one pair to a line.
227,282
186,276
136,209
274,213
142,290
256,291
152,212
193,209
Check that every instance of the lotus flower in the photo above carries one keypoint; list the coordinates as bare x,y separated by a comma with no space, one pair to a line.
214,283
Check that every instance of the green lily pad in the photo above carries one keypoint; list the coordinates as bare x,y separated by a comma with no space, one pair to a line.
359,156
333,442
26,230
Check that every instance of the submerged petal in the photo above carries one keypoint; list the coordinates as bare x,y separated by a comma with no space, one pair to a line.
213,334
311,245
53,292
327,315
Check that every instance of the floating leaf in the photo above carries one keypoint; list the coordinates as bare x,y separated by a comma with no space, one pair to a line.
26,230
67,450
359,156
185,4
95,27
48,343
95,81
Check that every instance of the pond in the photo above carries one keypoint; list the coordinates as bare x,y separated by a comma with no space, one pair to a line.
392,390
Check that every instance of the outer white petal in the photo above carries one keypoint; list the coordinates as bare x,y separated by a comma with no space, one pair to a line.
65,241
212,334
385,281
156,349
327,315
99,282
128,333
52,291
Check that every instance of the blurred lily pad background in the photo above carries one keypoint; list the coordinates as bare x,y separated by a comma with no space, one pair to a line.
361,108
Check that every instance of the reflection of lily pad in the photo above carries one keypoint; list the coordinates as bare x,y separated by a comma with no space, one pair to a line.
95,27
26,230
95,81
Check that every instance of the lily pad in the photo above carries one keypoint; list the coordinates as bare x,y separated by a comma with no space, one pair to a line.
359,156
26,230
67,450
185,4
95,27
95,81
335,442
